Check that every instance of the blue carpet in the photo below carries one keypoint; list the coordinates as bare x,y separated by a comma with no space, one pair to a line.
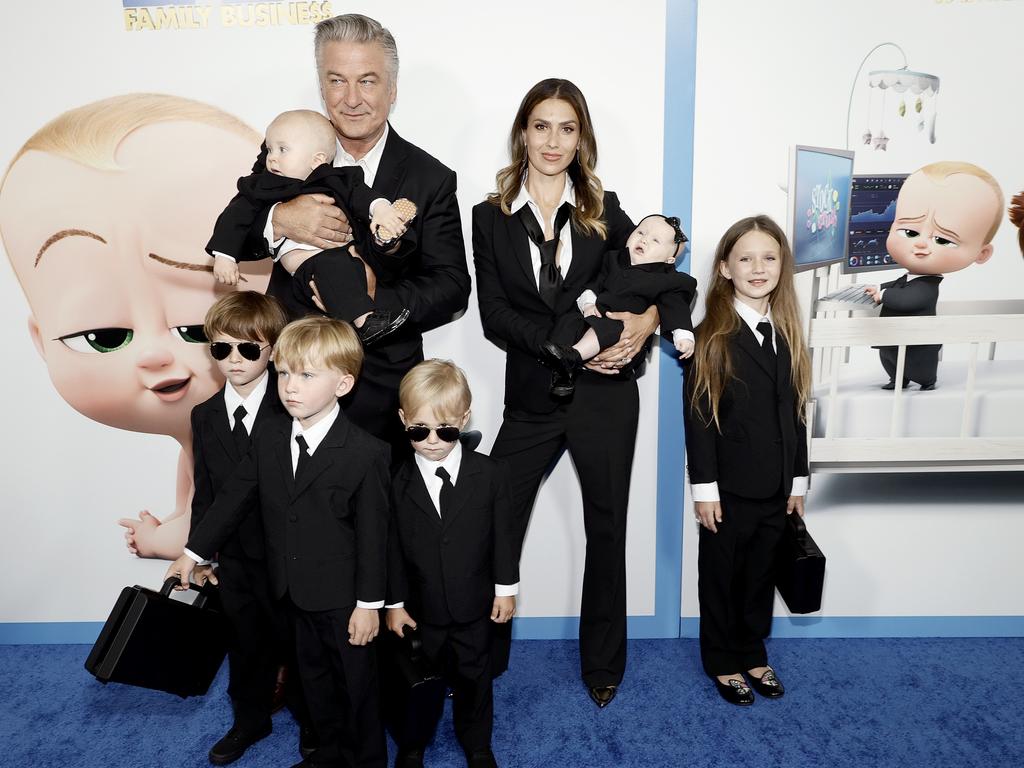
921,702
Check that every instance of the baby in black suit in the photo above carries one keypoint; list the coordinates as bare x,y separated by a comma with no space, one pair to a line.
453,559
300,149
631,281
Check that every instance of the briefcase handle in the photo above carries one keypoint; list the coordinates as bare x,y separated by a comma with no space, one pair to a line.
205,591
797,521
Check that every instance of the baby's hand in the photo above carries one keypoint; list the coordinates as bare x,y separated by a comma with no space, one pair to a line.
225,270
591,310
391,220
684,347
139,536
874,292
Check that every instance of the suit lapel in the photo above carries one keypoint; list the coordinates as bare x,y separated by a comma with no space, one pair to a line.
416,490
521,247
283,449
583,250
322,456
391,169
218,418
464,487
749,344
782,364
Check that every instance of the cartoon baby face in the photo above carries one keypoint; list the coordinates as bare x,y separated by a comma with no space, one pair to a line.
112,263
942,225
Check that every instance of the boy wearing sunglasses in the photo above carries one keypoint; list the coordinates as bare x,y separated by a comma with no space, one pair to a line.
453,563
242,328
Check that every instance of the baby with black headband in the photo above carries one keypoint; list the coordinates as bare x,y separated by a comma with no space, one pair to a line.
631,280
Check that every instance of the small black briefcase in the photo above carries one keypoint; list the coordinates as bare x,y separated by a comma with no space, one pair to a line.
412,685
800,573
152,641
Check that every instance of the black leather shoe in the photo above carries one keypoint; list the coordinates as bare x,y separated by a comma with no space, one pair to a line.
768,685
735,692
308,740
565,362
380,323
928,387
602,695
892,384
482,758
234,744
409,758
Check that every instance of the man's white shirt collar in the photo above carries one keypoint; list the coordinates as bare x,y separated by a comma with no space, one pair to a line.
369,162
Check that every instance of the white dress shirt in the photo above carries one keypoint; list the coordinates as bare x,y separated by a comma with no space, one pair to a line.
251,403
428,471
709,491
564,258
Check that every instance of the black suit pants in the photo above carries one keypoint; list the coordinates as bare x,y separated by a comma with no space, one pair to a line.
260,643
736,582
340,683
598,426
921,364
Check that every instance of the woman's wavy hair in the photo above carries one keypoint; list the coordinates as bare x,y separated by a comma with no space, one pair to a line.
588,215
713,365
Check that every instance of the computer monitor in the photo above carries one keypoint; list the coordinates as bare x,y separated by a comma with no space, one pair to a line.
872,210
819,205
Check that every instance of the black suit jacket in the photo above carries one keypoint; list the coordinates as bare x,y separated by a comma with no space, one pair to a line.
511,309
326,533
626,287
762,444
445,570
910,298
216,458
434,283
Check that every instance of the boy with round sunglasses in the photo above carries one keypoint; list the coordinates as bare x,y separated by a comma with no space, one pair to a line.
453,561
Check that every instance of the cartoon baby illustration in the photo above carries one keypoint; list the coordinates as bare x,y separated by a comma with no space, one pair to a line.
114,268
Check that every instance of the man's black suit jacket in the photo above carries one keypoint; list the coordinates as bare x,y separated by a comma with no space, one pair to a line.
762,444
434,283
910,298
511,309
445,570
216,458
326,532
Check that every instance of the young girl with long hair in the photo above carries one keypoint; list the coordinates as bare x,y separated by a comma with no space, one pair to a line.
746,449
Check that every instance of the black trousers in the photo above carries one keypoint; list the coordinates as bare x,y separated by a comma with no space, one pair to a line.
462,652
736,582
598,426
260,643
921,365
340,683
340,281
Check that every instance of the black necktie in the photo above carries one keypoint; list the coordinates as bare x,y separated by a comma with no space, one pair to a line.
447,489
238,431
550,278
303,455
765,329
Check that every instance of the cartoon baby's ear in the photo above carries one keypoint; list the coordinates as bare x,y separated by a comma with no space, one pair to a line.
37,339
985,254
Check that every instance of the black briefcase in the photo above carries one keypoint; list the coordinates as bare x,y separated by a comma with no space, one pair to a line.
152,641
412,687
800,573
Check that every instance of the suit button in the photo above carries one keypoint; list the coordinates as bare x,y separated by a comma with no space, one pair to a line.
292,518
295,557
444,540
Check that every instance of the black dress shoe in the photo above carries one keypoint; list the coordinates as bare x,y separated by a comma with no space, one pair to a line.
892,384
482,758
234,744
602,695
768,685
928,387
380,323
308,740
735,692
409,758
565,362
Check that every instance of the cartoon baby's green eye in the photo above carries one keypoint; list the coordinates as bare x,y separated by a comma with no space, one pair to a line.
190,333
99,340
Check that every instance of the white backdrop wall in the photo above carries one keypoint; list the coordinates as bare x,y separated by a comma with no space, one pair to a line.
464,67
769,75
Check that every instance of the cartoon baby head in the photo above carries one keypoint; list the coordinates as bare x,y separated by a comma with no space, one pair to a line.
104,214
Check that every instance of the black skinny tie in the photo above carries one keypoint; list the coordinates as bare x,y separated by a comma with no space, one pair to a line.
447,489
238,431
303,455
550,278
765,329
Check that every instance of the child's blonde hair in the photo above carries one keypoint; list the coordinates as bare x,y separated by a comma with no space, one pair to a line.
246,315
320,342
938,172
436,384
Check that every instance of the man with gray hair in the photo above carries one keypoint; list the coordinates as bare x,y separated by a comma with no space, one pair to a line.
357,66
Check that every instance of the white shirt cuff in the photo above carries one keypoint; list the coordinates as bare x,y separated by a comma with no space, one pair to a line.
370,606
800,486
220,255
681,334
395,605
199,560
705,491
506,590
268,232
587,297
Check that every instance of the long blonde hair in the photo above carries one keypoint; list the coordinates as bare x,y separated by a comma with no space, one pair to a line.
712,362
588,215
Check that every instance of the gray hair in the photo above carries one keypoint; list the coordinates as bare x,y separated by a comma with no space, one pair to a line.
356,28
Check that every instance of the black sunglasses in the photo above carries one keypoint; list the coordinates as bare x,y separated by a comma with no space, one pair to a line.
419,432
250,350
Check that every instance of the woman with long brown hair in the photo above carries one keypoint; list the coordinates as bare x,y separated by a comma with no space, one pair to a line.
538,241
746,446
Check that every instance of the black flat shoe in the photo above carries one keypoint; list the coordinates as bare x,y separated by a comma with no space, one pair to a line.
602,695
565,362
928,387
892,385
735,692
234,743
381,323
768,685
